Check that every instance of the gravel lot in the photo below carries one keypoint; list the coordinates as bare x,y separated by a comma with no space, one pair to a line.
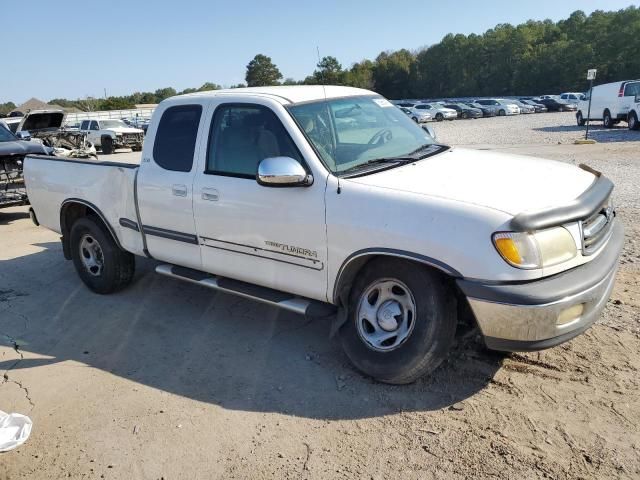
167,380
533,129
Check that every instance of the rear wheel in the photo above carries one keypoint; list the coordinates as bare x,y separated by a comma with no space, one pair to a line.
100,263
402,321
464,115
106,144
439,117
502,112
607,121
633,121
579,119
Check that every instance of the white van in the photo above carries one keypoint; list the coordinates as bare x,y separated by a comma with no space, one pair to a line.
612,103
572,97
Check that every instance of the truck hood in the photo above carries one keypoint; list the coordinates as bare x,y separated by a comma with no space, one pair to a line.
41,120
124,130
505,182
21,148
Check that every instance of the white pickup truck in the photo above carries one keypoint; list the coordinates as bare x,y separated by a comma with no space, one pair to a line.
110,135
331,200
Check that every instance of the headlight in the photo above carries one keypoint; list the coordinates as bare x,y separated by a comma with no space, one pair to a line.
543,248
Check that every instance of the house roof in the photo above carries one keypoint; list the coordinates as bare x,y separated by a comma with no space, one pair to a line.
35,104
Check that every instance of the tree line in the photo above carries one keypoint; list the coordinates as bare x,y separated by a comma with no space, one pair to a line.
535,57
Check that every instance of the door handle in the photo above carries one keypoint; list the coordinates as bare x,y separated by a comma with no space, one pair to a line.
210,194
179,190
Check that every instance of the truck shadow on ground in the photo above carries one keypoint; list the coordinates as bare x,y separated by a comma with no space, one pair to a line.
7,218
209,346
596,132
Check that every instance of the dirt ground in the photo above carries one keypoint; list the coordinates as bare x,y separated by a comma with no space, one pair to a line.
166,380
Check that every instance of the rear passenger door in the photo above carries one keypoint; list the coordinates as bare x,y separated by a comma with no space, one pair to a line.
275,237
165,185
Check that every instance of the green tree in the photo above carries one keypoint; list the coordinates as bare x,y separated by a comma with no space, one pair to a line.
329,72
5,108
261,71
163,93
209,86
360,75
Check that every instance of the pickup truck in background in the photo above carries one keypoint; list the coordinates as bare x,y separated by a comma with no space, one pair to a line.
329,201
110,135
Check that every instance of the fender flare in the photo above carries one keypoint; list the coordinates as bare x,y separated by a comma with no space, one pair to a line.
66,229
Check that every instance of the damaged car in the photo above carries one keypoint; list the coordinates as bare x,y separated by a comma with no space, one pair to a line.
109,135
13,149
46,127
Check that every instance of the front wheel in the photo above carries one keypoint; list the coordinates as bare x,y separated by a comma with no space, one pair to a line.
607,121
633,121
439,117
580,119
402,321
100,263
502,113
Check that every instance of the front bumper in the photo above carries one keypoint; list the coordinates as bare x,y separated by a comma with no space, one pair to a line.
546,312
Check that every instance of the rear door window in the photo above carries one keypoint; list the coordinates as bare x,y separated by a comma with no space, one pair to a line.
175,140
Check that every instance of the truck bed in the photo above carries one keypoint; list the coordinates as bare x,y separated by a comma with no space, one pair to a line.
105,186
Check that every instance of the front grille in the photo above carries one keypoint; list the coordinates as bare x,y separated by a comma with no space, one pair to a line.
596,229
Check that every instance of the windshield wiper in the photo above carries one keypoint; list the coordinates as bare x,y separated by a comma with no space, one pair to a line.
399,160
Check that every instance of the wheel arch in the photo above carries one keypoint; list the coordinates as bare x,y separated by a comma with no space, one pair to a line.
355,262
71,210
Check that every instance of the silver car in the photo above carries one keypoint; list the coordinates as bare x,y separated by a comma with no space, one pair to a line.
417,116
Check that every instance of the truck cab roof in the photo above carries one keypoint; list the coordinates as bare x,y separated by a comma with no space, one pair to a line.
285,94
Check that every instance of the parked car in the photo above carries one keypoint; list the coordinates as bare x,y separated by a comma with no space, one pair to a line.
524,108
539,108
504,107
437,111
611,103
387,228
572,97
110,135
13,149
558,105
487,110
416,116
464,111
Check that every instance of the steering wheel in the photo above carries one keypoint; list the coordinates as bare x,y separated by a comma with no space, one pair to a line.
381,137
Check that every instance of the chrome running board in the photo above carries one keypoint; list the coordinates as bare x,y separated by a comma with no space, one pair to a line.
276,298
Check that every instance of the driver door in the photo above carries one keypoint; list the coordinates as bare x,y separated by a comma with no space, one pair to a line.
274,237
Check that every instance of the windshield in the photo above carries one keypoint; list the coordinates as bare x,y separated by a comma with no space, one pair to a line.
6,135
112,123
348,132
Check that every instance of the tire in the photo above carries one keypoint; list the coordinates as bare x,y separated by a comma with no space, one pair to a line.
464,115
580,120
100,263
415,119
633,121
106,143
439,117
429,328
607,121
502,113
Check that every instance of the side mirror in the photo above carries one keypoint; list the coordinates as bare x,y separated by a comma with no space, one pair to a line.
282,172
429,129
23,135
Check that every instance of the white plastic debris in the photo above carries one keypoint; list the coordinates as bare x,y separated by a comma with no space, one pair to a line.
14,430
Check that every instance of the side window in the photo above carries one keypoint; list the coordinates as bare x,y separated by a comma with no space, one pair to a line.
94,125
242,135
175,141
632,89
84,125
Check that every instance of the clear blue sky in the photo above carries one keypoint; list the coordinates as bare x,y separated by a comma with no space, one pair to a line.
71,49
